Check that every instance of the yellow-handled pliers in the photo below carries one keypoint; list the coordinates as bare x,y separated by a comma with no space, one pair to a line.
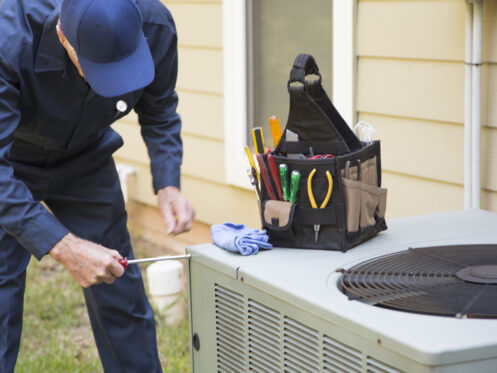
313,201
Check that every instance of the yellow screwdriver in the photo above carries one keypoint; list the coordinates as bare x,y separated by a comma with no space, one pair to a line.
251,161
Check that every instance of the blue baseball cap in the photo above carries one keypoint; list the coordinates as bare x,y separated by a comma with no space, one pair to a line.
109,42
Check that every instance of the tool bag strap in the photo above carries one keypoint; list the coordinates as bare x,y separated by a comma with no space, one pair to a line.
312,115
304,65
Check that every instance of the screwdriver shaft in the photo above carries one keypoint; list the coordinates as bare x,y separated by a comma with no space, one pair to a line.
158,258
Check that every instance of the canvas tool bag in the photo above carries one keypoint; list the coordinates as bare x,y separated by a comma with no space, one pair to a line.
356,209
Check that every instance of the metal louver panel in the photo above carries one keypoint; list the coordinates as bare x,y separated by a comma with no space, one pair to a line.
375,366
300,347
264,338
339,358
230,315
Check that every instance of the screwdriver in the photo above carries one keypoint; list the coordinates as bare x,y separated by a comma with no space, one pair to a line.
275,126
251,161
125,262
284,181
258,140
294,185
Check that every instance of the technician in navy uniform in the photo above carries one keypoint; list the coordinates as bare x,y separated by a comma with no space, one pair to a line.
68,70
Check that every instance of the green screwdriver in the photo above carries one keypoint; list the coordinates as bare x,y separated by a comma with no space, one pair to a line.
284,181
294,186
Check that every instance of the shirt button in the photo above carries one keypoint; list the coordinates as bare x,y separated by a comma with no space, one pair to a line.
121,106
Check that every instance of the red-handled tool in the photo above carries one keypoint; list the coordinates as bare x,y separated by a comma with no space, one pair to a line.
275,175
265,176
125,262
320,156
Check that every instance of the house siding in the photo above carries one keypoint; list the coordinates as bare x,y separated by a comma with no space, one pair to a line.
410,85
200,91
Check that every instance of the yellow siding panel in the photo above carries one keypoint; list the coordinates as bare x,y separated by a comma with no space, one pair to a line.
214,203
131,118
489,96
409,196
134,148
489,159
406,196
203,158
489,200
219,203
432,150
198,24
418,89
411,29
201,114
489,31
200,70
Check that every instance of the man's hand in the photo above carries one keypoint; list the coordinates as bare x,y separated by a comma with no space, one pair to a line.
177,211
87,262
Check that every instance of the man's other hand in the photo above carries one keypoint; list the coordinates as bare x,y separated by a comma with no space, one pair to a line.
177,211
87,262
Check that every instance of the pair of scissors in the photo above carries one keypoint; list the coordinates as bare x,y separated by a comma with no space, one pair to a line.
313,201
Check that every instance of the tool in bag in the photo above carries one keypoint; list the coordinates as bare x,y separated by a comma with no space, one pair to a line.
275,126
313,201
320,159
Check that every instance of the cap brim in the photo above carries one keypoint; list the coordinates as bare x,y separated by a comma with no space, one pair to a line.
114,79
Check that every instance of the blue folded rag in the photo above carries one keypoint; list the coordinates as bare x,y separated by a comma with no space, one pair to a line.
238,238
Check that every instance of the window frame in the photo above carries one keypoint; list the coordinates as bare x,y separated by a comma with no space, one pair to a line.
236,78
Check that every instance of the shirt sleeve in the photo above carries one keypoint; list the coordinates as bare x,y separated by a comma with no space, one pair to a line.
160,123
35,228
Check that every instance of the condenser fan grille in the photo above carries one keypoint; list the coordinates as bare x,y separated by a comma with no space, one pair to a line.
458,281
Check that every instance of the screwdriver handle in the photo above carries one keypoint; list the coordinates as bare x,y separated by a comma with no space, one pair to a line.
275,174
275,126
123,262
294,185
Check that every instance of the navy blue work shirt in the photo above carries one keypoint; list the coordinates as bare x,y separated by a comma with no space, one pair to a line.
45,104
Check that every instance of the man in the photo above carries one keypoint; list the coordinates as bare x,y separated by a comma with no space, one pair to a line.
68,69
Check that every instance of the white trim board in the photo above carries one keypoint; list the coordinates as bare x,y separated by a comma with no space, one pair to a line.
235,79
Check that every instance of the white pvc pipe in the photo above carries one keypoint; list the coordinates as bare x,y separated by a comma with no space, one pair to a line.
165,284
125,172
468,194
476,102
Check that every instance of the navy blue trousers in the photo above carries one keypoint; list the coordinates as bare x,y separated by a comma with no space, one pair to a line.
84,193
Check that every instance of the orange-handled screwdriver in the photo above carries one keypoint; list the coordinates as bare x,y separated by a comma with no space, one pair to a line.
275,126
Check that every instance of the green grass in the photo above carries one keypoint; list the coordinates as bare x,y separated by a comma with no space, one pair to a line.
57,336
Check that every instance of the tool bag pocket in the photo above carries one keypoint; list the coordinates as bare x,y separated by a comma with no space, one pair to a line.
356,207
330,217
278,219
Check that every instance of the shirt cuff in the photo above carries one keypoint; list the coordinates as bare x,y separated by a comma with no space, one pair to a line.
42,233
165,174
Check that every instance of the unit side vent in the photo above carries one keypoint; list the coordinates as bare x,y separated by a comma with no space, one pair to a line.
375,366
264,338
230,315
339,358
300,347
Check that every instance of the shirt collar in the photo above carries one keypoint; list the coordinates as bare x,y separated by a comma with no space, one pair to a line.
51,54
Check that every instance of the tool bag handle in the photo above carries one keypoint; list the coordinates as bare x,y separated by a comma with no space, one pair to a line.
312,115
304,65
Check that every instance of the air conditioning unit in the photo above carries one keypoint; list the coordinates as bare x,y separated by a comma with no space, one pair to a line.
283,310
